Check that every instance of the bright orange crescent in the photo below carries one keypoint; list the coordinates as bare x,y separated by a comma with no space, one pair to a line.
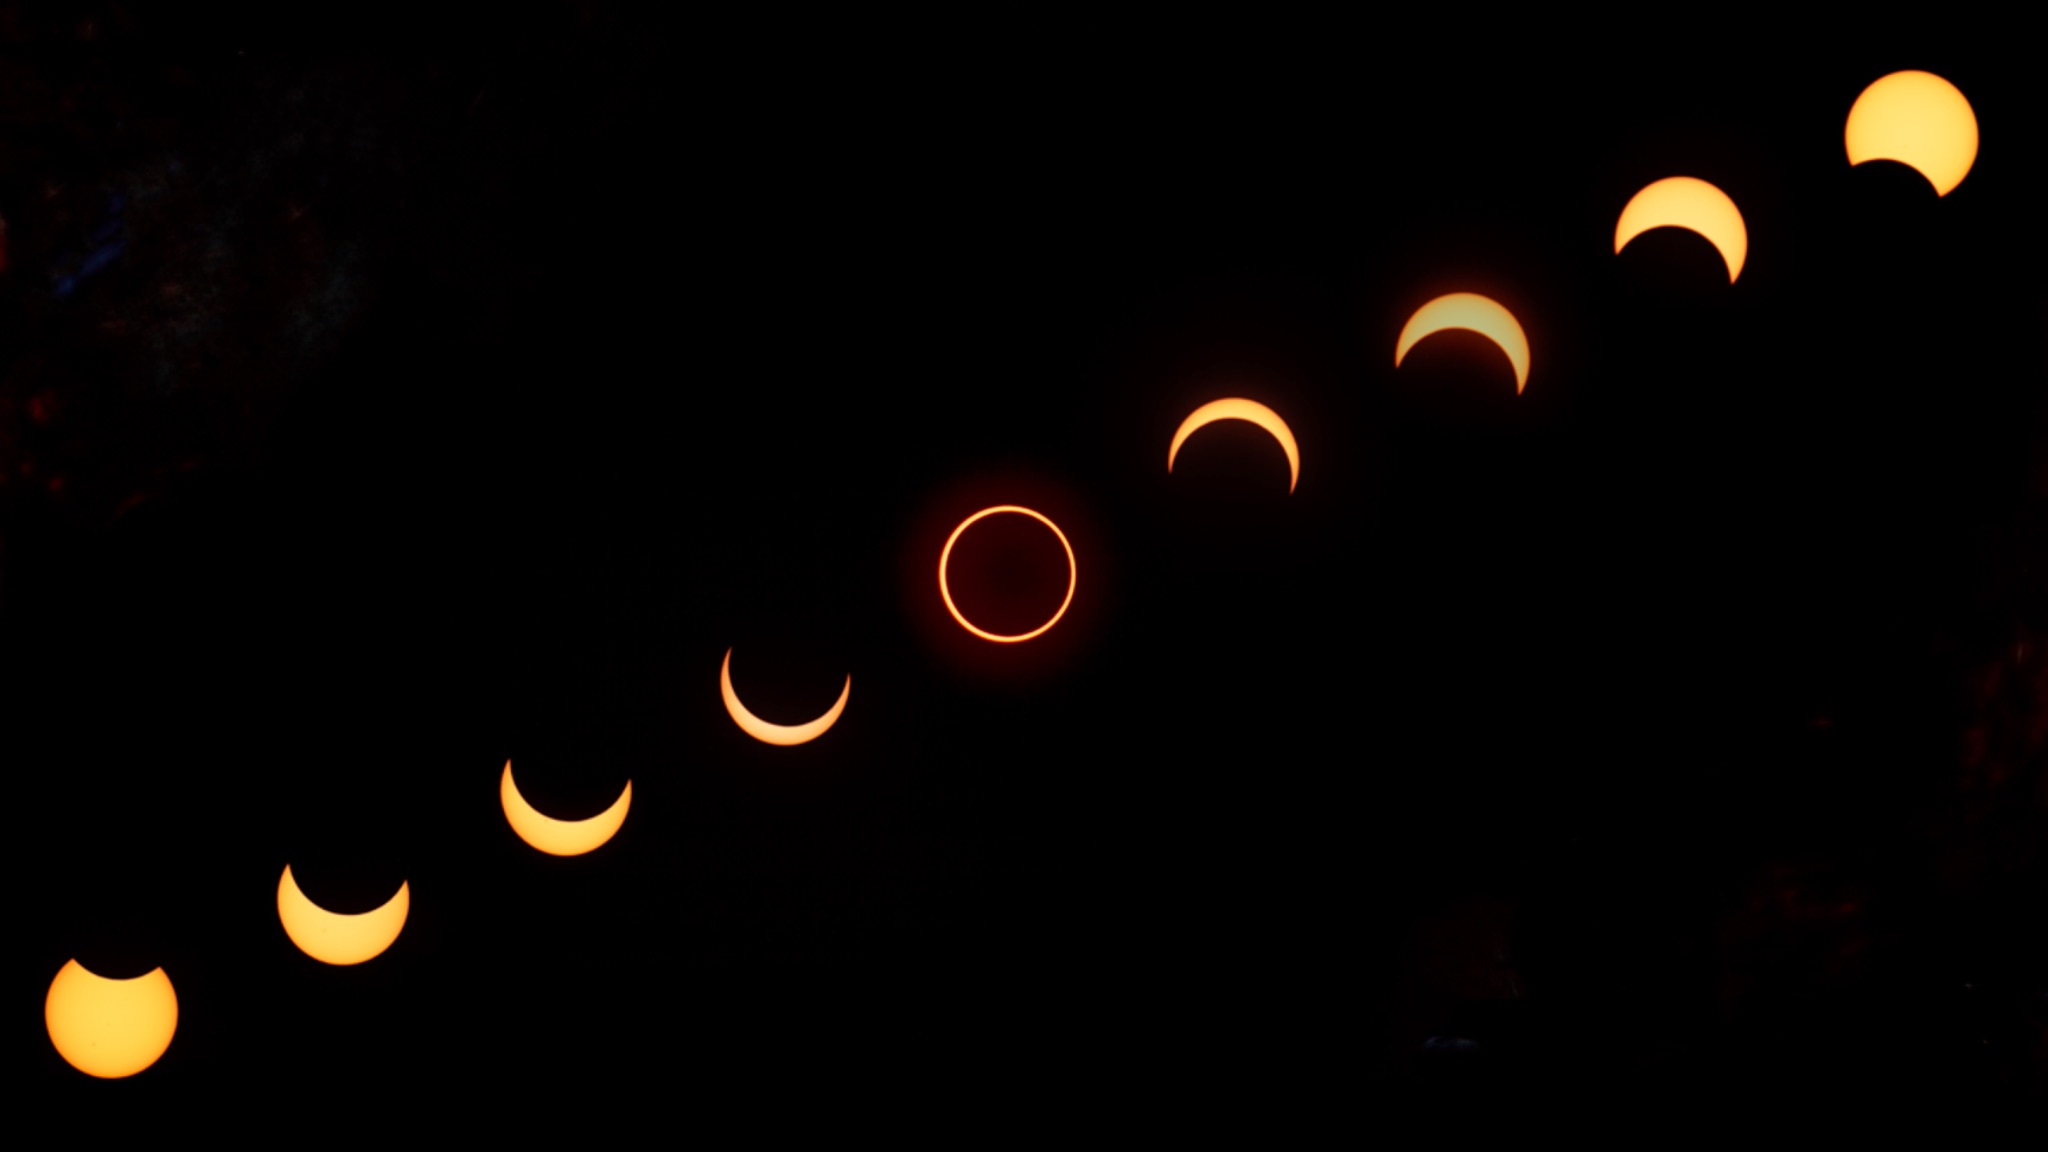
110,1028
1237,408
946,594
1686,202
762,730
560,837
1476,313
336,937
1919,120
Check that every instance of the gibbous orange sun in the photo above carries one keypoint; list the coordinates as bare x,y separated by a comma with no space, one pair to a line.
560,837
1685,202
946,594
110,1028
334,937
1473,312
1918,119
784,734
1240,409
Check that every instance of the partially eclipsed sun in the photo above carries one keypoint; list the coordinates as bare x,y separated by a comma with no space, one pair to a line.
1473,312
560,837
1686,202
335,937
110,1028
1919,120
1236,408
767,733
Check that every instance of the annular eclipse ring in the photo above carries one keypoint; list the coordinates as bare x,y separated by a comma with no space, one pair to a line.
946,554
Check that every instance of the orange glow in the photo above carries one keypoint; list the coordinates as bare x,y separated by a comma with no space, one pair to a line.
110,1028
784,734
336,938
1684,202
1473,312
1240,409
1073,573
1918,119
560,837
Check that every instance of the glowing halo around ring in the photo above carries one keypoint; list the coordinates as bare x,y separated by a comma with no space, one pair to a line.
110,1028
1237,408
1918,119
1692,204
946,554
334,937
560,837
1473,312
783,734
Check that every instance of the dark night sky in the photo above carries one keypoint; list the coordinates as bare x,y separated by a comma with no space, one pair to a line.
377,406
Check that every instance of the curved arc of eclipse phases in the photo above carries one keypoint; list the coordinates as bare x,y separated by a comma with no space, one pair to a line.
339,938
1919,120
110,1028
560,837
946,594
1238,408
781,734
1473,312
1690,203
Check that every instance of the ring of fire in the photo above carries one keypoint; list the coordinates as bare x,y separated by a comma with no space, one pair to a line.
946,554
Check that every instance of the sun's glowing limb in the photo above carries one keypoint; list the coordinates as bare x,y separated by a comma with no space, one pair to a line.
945,593
1919,120
335,937
784,734
1690,203
560,837
1237,408
110,1028
1476,313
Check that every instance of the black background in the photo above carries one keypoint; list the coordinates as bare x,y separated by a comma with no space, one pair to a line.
379,403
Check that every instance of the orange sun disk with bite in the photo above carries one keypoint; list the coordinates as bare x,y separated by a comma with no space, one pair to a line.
110,1028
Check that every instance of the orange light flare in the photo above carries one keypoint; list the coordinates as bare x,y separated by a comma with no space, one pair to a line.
1692,204
946,593
1919,120
785,735
560,837
110,1028
1475,313
1238,408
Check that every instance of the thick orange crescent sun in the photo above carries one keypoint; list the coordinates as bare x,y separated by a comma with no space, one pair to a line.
336,937
783,734
1238,408
560,837
1474,312
1690,203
